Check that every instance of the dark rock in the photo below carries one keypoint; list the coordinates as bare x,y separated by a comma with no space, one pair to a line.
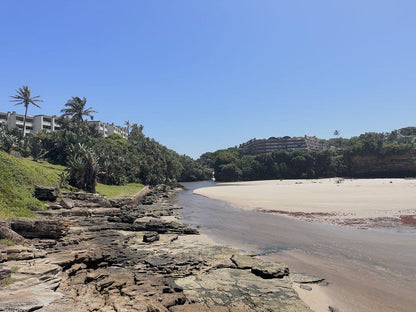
270,270
127,218
46,193
5,272
7,233
40,228
151,237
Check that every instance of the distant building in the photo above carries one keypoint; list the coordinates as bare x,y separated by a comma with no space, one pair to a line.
107,129
34,124
260,146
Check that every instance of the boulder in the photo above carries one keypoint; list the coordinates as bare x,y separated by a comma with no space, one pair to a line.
67,203
270,270
46,193
40,228
7,233
151,237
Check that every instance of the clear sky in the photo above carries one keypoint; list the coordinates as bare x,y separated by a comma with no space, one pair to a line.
204,75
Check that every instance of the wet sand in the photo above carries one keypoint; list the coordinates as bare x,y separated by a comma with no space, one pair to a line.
367,270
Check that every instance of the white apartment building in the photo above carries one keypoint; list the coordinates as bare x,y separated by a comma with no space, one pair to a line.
107,129
34,124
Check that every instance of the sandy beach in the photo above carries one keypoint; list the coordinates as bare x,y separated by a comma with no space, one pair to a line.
357,202
367,270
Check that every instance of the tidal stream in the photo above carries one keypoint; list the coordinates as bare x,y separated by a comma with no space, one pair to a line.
367,270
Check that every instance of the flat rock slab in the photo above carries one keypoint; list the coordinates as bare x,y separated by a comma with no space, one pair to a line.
37,267
302,278
240,290
27,299
200,308
244,261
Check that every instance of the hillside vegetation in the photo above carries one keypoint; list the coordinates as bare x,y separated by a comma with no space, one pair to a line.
18,177
366,156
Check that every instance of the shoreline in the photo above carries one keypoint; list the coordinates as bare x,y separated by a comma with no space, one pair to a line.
366,270
120,255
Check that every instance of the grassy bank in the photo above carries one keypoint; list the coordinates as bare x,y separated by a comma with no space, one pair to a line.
115,191
18,176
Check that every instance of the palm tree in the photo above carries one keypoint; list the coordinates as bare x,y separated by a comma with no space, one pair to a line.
76,110
127,124
23,96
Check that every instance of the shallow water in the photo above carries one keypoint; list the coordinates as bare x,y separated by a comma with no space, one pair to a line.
368,270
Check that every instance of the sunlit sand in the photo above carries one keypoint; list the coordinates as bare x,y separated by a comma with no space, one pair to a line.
379,202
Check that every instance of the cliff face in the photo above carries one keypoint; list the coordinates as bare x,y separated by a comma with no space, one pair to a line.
384,166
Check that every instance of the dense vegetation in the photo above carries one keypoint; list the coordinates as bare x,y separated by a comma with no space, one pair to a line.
78,157
336,159
91,158
18,177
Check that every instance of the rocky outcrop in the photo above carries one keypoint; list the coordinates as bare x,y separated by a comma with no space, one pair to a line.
40,228
46,193
5,273
7,233
370,166
134,257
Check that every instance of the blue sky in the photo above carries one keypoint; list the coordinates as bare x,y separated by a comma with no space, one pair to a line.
205,75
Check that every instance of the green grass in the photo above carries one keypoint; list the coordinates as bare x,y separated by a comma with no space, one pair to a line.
18,177
115,191
7,242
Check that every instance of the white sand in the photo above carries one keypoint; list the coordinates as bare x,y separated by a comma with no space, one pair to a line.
343,199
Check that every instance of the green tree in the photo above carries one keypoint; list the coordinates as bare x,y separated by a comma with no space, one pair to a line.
23,96
75,108
83,168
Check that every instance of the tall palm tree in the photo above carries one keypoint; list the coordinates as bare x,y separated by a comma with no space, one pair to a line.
127,124
75,108
23,96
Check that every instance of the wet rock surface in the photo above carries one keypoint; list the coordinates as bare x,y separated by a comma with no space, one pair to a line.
134,255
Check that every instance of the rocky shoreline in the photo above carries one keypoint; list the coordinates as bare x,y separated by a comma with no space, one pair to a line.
87,253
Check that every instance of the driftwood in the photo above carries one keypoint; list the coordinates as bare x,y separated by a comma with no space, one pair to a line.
40,228
7,233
